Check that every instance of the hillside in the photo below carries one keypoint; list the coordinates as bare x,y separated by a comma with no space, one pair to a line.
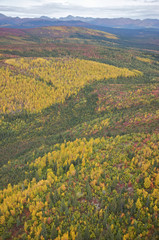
43,82
136,33
79,136
69,32
76,33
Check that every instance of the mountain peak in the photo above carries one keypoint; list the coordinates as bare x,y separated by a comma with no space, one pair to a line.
2,16
44,17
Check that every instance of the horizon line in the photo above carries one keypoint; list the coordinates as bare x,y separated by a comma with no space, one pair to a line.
141,19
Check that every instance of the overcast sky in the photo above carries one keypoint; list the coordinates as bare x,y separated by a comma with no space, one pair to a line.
86,8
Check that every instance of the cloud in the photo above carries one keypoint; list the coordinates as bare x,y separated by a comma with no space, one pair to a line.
142,9
145,1
151,1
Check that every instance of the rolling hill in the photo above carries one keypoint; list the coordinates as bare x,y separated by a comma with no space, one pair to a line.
51,34
73,30
79,135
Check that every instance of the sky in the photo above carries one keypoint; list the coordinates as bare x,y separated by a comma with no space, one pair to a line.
135,9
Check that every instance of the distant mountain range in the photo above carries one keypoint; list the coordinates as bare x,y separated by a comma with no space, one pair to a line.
117,22
125,23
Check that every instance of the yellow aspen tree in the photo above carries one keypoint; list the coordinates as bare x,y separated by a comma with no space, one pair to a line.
147,182
138,204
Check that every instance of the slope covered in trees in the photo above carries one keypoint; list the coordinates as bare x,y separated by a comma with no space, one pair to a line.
71,32
51,34
96,189
43,82
79,138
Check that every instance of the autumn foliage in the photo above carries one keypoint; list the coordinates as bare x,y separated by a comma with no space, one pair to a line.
34,84
79,137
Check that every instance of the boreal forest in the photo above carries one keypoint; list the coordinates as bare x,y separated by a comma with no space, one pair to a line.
79,134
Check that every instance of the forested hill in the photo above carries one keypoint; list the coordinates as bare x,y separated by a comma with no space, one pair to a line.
136,38
79,135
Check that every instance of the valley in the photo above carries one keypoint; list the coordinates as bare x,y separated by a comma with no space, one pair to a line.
79,134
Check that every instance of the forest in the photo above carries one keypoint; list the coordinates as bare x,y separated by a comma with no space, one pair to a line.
79,136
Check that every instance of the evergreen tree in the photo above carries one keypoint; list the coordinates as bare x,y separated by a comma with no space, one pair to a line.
79,235
119,236
86,235
89,192
54,232
44,231
56,222
63,206
105,219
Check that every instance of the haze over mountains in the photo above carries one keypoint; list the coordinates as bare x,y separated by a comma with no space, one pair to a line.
16,22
